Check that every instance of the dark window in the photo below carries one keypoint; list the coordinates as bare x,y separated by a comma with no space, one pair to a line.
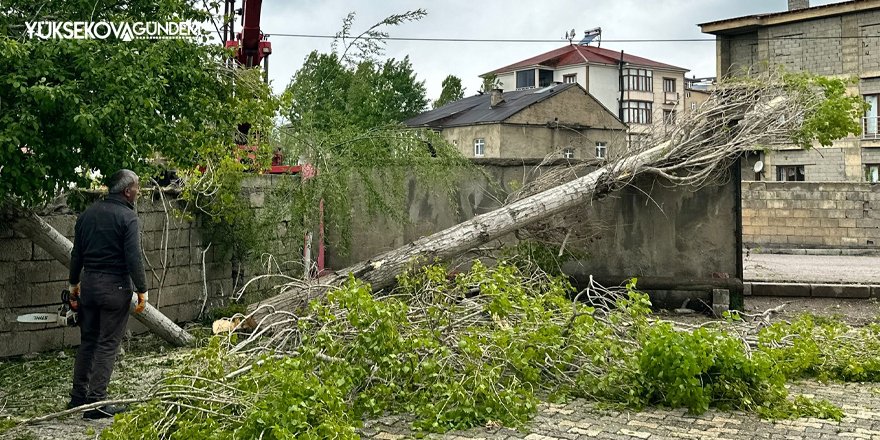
669,85
637,112
525,79
669,117
637,141
872,173
570,79
638,80
790,173
545,78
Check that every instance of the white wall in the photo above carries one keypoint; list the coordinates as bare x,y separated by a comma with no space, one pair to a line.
605,86
580,71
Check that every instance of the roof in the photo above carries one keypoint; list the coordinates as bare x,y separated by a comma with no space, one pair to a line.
477,109
732,25
575,54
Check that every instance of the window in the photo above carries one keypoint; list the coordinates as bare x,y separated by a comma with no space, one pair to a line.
525,79
637,112
478,147
638,80
570,79
669,85
687,94
693,106
568,153
601,150
872,173
545,78
870,126
669,117
790,173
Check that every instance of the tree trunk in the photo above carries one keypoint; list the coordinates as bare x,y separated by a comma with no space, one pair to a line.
382,271
44,235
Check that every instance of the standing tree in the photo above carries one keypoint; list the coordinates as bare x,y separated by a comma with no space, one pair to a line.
452,91
490,82
344,110
72,106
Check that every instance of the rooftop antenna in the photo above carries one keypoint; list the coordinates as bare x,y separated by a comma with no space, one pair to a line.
590,35
569,36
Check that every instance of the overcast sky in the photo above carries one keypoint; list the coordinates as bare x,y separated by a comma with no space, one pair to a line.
509,19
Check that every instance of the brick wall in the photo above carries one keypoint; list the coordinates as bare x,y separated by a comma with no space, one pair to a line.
31,280
811,214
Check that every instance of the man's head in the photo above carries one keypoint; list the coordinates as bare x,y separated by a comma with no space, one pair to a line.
125,183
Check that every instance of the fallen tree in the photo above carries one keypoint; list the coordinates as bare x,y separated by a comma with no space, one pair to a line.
741,115
28,223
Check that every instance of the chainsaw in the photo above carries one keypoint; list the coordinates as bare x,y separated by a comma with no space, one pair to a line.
66,315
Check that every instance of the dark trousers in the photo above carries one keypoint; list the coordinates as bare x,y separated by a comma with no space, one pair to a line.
103,315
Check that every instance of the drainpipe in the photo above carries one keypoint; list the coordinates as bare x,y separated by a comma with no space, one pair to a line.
620,75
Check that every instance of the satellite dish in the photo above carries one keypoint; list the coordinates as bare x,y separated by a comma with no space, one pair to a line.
759,166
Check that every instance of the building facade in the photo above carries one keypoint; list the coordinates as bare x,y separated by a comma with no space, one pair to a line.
560,119
840,39
641,92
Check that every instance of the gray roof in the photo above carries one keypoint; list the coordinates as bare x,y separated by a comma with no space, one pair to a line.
476,109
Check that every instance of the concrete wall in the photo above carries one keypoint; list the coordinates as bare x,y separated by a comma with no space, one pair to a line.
811,214
646,230
31,281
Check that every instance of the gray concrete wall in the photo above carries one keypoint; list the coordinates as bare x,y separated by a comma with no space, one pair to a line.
645,230
811,214
31,281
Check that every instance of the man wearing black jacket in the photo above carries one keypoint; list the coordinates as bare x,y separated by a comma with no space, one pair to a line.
107,253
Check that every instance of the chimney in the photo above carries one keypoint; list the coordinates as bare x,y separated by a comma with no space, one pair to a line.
496,96
794,5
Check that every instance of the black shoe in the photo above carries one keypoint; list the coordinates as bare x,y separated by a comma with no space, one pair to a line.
104,412
76,401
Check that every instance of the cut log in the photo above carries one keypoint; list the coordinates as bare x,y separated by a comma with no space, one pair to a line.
58,246
382,271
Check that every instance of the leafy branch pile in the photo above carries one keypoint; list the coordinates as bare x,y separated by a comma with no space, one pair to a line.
481,347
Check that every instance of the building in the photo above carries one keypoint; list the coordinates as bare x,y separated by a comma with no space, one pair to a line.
696,92
839,39
529,123
652,91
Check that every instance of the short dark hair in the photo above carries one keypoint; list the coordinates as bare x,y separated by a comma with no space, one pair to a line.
121,180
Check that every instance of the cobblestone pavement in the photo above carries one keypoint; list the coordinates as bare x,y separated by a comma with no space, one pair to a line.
581,420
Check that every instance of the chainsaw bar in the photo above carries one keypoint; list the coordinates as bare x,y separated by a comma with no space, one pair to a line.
38,318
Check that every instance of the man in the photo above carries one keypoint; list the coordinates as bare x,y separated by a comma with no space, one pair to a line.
107,250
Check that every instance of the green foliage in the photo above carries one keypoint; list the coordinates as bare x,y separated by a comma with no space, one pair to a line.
490,82
456,358
70,106
823,348
7,424
344,112
838,115
452,91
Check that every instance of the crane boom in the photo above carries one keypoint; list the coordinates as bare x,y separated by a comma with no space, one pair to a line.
251,45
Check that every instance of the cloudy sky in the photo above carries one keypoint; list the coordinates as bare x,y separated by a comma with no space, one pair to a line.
510,19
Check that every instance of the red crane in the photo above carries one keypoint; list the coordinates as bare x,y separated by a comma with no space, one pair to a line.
252,48
251,45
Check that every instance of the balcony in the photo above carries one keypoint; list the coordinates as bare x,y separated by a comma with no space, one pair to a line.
670,97
870,128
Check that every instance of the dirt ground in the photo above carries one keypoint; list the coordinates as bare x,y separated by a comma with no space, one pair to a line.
37,384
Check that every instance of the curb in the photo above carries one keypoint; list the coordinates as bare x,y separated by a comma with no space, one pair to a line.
813,290
760,250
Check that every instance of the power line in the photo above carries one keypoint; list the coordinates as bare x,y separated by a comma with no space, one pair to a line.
501,40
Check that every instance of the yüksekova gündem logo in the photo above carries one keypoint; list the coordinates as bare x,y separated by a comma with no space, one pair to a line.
125,31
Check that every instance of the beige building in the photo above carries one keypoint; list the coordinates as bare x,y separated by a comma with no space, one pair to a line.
839,39
561,119
652,94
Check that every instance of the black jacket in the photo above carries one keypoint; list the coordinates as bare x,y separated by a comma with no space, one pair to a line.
107,239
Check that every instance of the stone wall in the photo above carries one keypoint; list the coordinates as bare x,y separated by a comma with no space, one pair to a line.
31,281
811,214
